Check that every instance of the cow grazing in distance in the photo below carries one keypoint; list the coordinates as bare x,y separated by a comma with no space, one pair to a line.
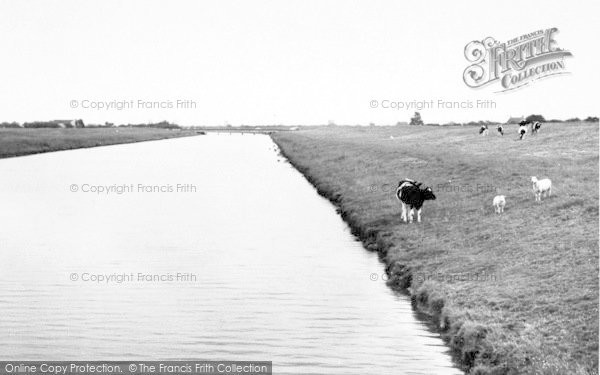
500,130
483,130
410,193
535,127
523,129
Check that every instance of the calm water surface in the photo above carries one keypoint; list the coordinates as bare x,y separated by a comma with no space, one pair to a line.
268,270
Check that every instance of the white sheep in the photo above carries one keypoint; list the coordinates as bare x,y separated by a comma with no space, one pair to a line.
540,187
499,203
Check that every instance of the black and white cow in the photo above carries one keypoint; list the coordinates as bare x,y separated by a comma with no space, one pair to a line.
410,194
483,130
523,128
535,127
500,130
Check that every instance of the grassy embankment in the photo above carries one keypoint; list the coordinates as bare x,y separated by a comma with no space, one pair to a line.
515,293
17,142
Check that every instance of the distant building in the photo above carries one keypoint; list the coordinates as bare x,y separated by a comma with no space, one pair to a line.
515,120
63,124
71,123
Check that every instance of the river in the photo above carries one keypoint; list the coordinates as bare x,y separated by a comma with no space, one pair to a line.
210,247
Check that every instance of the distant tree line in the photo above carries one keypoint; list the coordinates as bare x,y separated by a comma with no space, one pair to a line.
159,125
541,118
55,124
10,125
418,120
80,124
45,124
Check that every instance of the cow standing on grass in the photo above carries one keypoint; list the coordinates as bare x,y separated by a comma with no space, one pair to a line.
500,130
535,127
409,193
522,129
483,130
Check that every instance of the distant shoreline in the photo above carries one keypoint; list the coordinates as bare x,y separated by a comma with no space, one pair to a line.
16,142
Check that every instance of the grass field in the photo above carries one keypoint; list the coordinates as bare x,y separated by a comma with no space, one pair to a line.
17,142
515,293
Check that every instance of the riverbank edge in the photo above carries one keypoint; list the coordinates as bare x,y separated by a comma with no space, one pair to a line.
466,339
98,143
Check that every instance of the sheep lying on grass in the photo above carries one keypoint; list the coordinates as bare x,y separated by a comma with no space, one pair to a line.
540,187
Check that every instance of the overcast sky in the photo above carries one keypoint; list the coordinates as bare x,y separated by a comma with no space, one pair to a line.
279,62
